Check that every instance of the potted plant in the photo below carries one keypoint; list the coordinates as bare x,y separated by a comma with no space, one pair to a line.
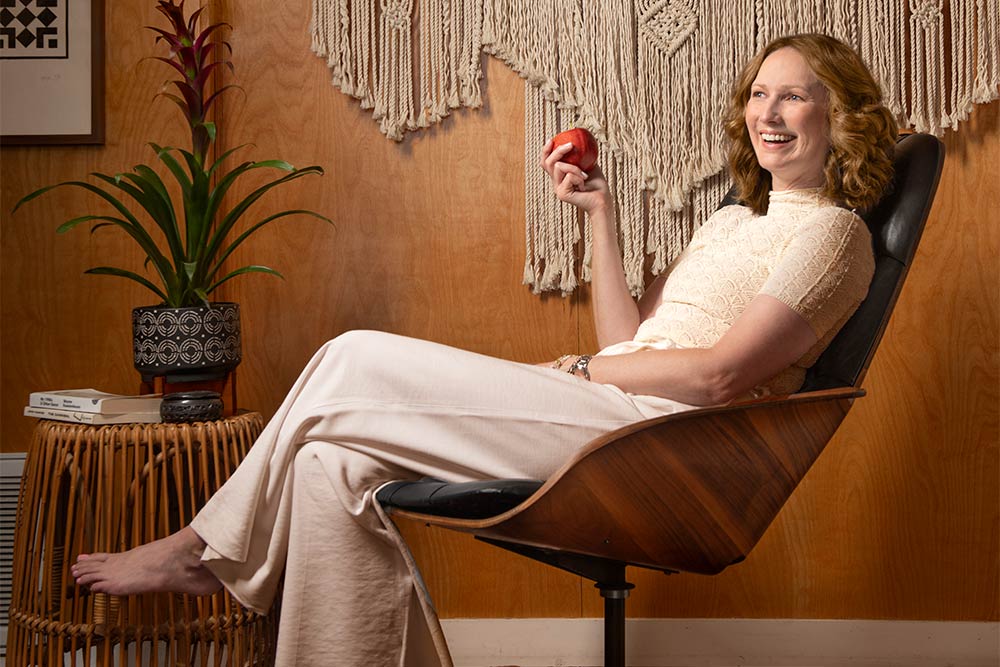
185,337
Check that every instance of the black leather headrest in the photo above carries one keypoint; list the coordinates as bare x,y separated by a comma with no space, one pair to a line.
895,223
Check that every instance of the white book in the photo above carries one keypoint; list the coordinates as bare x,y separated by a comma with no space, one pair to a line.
80,417
91,400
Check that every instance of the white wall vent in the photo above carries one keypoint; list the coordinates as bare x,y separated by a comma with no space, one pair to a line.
11,466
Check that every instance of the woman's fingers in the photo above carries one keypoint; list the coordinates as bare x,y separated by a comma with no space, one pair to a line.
569,185
546,149
553,156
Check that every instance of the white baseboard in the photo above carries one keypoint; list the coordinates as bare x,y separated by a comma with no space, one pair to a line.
558,642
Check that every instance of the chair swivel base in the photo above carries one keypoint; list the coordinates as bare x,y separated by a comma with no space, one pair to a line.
609,578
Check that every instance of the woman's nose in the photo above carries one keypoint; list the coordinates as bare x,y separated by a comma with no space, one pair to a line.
771,112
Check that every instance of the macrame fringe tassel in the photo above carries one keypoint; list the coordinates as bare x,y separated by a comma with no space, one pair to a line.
369,49
670,231
550,255
650,79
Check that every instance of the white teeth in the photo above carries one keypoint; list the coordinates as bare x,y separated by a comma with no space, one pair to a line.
776,137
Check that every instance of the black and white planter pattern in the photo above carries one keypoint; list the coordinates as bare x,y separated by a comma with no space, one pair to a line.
186,344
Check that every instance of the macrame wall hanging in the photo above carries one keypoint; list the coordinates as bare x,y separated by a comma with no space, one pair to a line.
650,79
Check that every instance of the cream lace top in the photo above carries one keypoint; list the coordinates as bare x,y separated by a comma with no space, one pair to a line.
807,252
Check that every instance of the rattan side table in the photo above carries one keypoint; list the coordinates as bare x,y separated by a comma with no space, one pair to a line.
110,488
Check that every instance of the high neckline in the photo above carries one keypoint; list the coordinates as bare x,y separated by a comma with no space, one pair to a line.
799,197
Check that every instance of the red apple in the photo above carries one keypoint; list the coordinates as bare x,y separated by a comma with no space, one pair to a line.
584,151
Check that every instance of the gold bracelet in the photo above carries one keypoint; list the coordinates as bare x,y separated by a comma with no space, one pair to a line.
561,360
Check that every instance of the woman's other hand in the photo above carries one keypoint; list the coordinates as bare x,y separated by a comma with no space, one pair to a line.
585,190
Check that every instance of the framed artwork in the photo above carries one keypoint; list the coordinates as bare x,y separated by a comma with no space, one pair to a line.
51,72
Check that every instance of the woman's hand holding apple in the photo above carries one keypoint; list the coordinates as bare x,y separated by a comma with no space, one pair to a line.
587,190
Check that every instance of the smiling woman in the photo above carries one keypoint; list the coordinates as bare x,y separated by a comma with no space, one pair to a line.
819,105
786,117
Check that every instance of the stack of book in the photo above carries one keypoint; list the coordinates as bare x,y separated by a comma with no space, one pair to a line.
89,406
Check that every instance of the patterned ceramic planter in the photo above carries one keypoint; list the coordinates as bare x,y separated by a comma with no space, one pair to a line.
186,344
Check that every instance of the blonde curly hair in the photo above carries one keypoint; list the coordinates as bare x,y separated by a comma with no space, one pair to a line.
862,130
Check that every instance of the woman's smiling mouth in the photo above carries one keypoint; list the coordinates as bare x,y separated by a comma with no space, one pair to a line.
774,138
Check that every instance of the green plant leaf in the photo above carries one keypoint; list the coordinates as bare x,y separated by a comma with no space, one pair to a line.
222,187
122,273
163,153
149,192
237,211
164,216
274,164
152,179
202,296
70,224
33,195
243,270
198,217
233,216
213,203
218,162
210,128
253,228
130,224
196,58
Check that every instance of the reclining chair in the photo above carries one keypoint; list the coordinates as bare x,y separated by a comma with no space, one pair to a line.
694,491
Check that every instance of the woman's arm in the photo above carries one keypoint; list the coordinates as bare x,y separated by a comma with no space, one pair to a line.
616,315
763,341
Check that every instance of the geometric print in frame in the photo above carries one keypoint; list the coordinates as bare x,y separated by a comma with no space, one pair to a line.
34,29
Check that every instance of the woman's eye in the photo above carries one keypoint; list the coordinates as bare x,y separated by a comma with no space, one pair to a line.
757,93
794,97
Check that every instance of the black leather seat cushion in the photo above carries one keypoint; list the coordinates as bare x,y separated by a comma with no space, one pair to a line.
463,500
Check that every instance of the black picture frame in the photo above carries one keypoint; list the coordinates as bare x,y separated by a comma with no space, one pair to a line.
61,65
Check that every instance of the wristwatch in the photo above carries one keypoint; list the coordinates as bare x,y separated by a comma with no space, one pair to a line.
581,365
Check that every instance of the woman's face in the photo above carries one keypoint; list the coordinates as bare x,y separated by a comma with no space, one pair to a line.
786,116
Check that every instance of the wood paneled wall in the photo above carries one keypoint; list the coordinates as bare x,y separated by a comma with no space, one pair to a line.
899,518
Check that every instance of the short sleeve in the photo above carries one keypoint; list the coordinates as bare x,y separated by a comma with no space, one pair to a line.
824,272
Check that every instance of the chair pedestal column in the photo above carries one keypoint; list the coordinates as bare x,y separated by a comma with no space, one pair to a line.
614,620
609,576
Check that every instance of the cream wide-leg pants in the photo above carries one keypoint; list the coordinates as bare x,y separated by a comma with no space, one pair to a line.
370,408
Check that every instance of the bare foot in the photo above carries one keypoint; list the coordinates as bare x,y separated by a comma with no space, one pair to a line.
172,564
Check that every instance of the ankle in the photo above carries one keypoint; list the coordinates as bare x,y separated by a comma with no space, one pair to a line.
190,542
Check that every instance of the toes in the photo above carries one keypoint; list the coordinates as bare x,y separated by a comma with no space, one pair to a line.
84,567
98,557
88,579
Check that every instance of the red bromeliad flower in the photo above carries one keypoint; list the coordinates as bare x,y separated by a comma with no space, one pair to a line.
190,54
187,239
